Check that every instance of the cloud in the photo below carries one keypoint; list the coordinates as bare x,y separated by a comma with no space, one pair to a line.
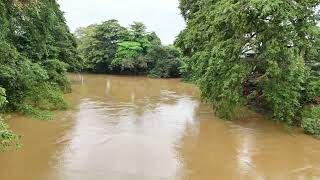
161,16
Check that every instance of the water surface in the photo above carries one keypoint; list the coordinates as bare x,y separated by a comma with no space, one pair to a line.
135,128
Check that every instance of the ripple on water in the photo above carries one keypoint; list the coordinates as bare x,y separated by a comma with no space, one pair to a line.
140,129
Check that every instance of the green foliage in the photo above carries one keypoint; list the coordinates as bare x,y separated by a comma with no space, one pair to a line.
282,74
7,137
312,90
38,31
311,120
56,73
31,83
98,44
132,48
282,88
166,61
45,98
3,99
34,112
36,50
188,8
127,56
111,48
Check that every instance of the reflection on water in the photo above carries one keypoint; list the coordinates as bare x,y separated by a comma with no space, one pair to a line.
138,128
128,133
117,141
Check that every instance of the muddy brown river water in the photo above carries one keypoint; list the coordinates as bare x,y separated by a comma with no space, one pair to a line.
135,128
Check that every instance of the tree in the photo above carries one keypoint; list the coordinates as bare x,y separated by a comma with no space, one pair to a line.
111,48
98,44
38,31
132,48
166,61
36,50
129,57
218,36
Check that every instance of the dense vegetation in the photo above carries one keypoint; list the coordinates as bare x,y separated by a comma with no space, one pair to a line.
279,76
258,53
110,48
36,50
7,137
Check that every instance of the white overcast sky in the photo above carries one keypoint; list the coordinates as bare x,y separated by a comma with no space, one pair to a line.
161,16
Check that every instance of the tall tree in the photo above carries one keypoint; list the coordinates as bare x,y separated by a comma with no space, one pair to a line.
111,48
133,46
34,51
221,33
98,44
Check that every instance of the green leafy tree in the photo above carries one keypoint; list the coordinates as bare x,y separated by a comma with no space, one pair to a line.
132,48
36,50
220,34
129,57
111,48
166,61
98,44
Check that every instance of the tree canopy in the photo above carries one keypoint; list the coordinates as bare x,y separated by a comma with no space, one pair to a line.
110,48
36,50
283,37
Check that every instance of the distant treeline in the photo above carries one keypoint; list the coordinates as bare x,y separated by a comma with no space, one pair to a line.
111,48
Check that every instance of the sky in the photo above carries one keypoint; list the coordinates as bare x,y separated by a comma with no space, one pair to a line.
161,16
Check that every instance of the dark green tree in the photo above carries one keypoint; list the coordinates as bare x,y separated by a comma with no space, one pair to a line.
36,50
132,48
98,44
111,48
166,61
279,35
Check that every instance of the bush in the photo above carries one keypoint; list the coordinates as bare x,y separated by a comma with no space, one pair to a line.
32,87
34,112
56,71
7,137
311,120
166,61
312,90
110,48
46,98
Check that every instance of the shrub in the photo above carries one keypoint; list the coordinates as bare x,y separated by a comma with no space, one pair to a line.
34,112
312,90
311,120
166,60
7,137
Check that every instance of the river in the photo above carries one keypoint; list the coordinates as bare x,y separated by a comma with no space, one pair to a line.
135,128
